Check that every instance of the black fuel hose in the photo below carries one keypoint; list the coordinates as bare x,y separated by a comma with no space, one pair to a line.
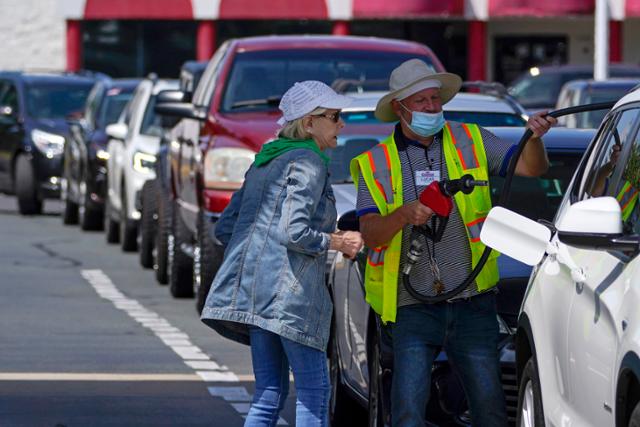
504,197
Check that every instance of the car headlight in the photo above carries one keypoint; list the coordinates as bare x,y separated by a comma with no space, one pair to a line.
224,168
50,144
102,154
143,162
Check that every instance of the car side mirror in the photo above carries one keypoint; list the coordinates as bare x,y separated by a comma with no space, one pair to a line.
171,95
117,131
182,110
349,222
596,224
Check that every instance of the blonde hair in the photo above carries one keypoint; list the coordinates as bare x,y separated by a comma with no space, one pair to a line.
295,128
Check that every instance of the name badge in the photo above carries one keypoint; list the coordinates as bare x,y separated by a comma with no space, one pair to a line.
424,178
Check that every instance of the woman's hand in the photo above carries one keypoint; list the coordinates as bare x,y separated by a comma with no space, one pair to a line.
347,242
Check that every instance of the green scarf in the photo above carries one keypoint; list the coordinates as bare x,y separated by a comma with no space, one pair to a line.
273,149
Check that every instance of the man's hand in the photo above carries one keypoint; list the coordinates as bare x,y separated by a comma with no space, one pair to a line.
540,123
416,213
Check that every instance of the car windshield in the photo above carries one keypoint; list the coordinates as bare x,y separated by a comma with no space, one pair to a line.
258,79
539,198
55,101
151,122
113,105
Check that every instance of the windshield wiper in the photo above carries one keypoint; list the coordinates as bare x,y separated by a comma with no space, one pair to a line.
270,100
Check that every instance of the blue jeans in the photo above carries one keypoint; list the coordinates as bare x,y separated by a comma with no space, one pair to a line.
272,355
468,332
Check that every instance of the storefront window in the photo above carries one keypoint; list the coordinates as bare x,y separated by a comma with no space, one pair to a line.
137,48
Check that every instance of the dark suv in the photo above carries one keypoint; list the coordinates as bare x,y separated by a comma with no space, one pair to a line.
84,179
234,112
33,130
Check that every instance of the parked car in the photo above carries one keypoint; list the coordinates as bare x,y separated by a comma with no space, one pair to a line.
33,130
84,177
578,336
580,92
361,360
132,148
156,203
486,110
538,88
234,112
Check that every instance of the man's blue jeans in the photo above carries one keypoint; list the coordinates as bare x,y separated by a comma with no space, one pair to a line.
468,331
272,355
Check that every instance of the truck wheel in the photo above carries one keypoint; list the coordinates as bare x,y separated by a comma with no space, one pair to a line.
206,261
26,187
634,420
128,228
111,227
530,397
148,224
162,236
180,264
90,218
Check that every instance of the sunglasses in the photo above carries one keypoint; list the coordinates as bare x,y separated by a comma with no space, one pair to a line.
335,117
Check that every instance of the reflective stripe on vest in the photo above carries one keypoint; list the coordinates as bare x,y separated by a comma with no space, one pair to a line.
381,165
383,264
463,141
627,198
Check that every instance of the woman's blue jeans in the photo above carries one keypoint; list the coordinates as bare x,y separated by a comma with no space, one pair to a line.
272,355
468,331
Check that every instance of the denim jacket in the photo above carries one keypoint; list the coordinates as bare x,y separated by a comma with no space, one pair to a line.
276,232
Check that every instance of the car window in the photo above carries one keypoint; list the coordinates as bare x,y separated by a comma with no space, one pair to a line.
93,100
151,122
592,119
113,104
10,97
258,79
204,89
603,169
55,101
539,198
627,189
340,156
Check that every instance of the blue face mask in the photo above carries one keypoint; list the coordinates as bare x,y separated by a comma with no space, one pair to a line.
425,124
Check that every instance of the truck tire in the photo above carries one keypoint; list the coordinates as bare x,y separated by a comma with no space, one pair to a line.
180,264
148,224
26,187
165,209
90,217
206,261
128,228
111,227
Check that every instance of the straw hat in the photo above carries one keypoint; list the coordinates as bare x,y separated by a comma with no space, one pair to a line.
411,77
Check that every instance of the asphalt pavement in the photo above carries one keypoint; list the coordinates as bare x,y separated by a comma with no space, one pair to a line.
88,337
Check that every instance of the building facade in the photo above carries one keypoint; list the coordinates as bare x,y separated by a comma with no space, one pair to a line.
479,39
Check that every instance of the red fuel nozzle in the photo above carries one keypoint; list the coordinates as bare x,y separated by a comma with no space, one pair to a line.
437,196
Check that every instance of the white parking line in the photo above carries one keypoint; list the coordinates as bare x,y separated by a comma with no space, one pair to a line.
205,369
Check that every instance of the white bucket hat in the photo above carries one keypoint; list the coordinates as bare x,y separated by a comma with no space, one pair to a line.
411,77
304,97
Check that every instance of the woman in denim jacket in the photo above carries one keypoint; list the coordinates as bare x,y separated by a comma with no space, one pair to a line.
270,290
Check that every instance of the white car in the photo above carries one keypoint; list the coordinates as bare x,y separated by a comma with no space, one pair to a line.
133,145
578,336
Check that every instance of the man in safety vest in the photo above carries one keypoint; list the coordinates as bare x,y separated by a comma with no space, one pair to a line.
390,178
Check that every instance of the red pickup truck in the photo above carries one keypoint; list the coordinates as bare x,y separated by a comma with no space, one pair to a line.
233,112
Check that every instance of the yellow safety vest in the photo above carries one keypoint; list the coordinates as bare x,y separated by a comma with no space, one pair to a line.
627,197
380,168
